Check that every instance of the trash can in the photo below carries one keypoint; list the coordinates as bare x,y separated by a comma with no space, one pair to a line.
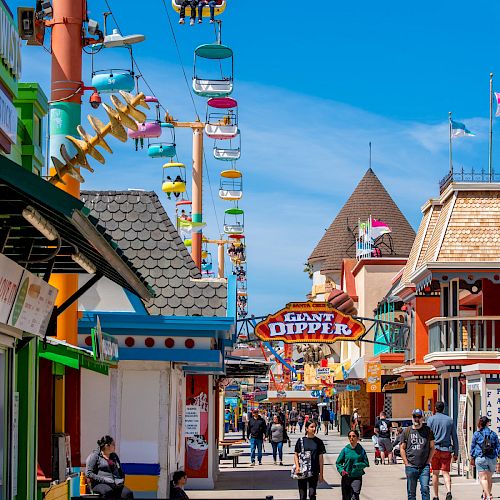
345,424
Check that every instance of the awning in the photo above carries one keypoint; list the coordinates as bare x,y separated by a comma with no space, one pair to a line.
71,356
357,370
239,366
80,233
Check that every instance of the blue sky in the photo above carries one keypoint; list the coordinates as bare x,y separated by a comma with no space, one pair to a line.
314,87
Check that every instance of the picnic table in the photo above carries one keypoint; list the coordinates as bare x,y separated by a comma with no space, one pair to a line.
227,454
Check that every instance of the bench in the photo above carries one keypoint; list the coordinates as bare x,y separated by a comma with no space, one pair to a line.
233,455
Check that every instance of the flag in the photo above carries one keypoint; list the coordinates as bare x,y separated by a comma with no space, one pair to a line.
497,97
459,129
379,228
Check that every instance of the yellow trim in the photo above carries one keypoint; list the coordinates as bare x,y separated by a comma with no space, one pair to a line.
59,406
142,483
174,165
231,174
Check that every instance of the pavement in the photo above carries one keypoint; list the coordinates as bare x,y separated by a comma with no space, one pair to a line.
381,482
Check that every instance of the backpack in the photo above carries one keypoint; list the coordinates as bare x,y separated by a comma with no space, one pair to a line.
305,464
487,447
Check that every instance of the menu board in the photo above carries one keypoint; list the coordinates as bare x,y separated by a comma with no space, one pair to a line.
33,305
373,377
192,420
10,277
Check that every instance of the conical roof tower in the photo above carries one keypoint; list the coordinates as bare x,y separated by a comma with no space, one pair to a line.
369,198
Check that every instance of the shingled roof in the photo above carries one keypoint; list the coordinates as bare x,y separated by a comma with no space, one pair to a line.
369,198
139,224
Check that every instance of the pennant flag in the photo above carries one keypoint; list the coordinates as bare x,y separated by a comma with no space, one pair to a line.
459,129
497,98
379,228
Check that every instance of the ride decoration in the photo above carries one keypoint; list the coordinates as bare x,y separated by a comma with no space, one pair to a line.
309,322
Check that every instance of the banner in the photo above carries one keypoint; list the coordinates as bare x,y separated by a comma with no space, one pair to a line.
373,377
309,322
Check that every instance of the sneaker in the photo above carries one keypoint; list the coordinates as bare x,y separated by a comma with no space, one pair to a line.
275,463
181,20
260,463
252,464
200,21
281,463
435,498
448,496
191,23
212,21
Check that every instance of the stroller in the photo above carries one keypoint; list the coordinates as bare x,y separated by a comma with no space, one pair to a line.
378,456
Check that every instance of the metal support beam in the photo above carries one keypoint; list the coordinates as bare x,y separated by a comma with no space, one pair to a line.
90,283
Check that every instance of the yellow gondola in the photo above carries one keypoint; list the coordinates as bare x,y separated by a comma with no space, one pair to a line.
231,185
220,7
176,185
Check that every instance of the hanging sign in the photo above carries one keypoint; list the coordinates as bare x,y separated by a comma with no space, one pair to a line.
322,372
394,384
373,377
309,322
10,277
104,346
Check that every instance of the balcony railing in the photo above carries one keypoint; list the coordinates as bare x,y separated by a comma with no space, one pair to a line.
472,175
478,333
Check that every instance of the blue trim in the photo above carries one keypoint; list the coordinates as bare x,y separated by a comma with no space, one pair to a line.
141,469
204,356
136,302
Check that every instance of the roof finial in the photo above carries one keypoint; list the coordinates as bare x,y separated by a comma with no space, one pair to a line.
370,161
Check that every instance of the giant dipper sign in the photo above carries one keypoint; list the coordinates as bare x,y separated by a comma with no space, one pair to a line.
309,322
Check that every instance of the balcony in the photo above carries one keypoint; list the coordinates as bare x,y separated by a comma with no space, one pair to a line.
467,176
470,334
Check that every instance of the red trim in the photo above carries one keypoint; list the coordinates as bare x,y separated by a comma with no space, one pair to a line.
388,358
375,262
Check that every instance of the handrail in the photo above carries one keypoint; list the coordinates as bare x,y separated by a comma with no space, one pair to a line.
461,318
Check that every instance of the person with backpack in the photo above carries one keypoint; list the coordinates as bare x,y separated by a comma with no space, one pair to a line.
351,464
485,450
445,434
383,431
309,451
417,449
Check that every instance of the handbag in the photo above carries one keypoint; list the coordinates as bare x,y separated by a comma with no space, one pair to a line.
305,464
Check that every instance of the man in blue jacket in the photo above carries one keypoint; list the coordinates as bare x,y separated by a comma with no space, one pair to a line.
446,442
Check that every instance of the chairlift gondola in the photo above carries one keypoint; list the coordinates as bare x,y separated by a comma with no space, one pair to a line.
223,123
213,55
176,185
150,129
163,149
237,249
231,185
220,7
234,219
112,80
228,153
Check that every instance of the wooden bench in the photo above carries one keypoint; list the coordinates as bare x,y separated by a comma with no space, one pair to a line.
233,455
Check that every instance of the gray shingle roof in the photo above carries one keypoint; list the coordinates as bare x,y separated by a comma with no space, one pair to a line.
139,224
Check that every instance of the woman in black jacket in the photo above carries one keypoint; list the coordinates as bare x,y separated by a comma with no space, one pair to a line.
105,472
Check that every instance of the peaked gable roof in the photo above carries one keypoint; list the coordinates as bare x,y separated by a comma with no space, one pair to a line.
369,198
138,222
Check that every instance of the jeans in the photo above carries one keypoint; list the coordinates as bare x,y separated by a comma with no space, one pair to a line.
301,426
244,433
414,475
226,427
351,487
277,450
313,484
211,4
191,3
255,444
107,491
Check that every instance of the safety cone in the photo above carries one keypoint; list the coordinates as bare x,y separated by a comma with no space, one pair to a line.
83,484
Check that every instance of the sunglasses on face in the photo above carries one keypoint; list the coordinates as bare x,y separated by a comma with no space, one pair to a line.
417,416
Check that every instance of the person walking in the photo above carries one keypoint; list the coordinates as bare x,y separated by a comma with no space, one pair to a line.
257,433
300,421
383,431
446,442
294,417
356,420
313,444
351,464
244,423
332,418
276,434
417,449
325,419
485,450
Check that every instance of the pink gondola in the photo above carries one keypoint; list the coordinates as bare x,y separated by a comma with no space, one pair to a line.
222,125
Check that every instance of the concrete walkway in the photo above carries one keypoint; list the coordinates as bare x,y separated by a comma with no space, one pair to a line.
381,482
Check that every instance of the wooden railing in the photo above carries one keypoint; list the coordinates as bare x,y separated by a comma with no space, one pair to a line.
476,333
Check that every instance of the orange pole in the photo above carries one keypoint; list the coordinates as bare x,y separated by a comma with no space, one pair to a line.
220,260
65,115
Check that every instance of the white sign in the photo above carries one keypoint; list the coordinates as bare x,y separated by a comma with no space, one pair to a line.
10,276
10,44
322,372
8,117
493,405
33,305
192,421
474,386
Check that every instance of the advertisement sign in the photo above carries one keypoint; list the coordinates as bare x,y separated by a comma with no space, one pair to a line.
461,427
373,377
192,420
196,461
309,322
104,346
493,405
394,384
10,277
322,372
33,305
346,388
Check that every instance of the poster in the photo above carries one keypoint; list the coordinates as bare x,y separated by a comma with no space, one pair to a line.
192,421
394,384
10,277
373,377
196,461
493,405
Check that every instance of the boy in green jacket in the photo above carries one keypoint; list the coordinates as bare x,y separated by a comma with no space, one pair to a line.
351,465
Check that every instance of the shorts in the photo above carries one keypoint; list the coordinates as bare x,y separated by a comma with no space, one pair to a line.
485,464
385,445
441,460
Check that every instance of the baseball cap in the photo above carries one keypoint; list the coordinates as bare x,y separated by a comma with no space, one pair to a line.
417,412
